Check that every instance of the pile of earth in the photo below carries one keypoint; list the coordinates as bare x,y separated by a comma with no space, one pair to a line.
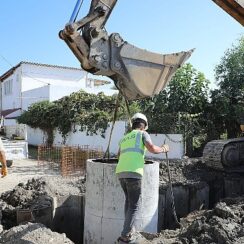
224,224
186,171
37,193
32,233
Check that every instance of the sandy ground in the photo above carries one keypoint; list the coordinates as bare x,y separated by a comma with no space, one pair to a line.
21,171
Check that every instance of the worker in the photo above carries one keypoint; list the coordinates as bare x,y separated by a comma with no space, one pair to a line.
129,170
4,170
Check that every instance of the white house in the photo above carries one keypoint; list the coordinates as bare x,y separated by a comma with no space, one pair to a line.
27,83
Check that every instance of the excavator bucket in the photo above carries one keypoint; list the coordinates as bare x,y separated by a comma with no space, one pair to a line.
137,73
141,73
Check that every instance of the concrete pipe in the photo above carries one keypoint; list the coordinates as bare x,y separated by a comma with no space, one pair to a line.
104,204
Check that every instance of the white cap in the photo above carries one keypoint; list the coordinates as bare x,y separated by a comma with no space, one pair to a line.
140,116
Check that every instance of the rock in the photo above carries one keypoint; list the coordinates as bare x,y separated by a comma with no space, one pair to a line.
223,211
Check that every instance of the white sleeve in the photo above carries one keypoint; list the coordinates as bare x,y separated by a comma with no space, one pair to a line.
146,137
1,145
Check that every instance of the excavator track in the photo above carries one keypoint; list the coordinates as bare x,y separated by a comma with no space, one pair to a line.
226,155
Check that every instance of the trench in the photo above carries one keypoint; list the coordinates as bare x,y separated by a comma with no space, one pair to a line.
193,196
68,217
66,213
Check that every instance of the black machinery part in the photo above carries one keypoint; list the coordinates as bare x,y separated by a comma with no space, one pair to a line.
225,155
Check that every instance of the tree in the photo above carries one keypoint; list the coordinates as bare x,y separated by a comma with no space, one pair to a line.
92,113
228,100
40,115
186,93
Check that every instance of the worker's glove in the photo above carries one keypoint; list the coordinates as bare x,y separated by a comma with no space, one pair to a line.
165,148
4,171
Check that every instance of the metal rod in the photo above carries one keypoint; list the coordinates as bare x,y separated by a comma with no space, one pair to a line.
75,11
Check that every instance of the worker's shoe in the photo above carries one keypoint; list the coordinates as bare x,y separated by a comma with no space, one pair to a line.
4,171
122,240
135,238
131,239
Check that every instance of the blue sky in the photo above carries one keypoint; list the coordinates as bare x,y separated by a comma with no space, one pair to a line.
29,30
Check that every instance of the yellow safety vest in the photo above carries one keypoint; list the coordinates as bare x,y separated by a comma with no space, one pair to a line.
132,152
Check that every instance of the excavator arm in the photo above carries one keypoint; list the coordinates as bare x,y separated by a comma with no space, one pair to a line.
137,73
235,8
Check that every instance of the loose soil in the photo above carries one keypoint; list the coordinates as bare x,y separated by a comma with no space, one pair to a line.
33,233
37,194
224,224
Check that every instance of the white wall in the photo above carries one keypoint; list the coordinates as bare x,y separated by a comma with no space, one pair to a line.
36,137
34,76
35,95
12,100
59,91
175,142
33,82
18,129
9,122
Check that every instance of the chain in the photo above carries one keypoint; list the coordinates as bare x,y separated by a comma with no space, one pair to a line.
172,193
172,140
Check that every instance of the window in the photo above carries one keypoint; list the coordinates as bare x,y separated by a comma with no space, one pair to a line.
8,86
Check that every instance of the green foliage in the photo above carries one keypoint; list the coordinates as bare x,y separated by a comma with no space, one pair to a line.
35,114
92,113
187,93
227,105
40,115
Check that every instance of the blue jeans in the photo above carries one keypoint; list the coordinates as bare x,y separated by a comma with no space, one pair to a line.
132,190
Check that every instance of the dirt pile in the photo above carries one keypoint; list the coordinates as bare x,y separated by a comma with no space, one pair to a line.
32,233
36,194
223,225
24,195
185,171
31,195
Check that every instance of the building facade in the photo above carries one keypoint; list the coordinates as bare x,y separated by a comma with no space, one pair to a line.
27,83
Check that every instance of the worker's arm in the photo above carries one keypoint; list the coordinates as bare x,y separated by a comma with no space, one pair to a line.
3,159
4,170
151,147
155,149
